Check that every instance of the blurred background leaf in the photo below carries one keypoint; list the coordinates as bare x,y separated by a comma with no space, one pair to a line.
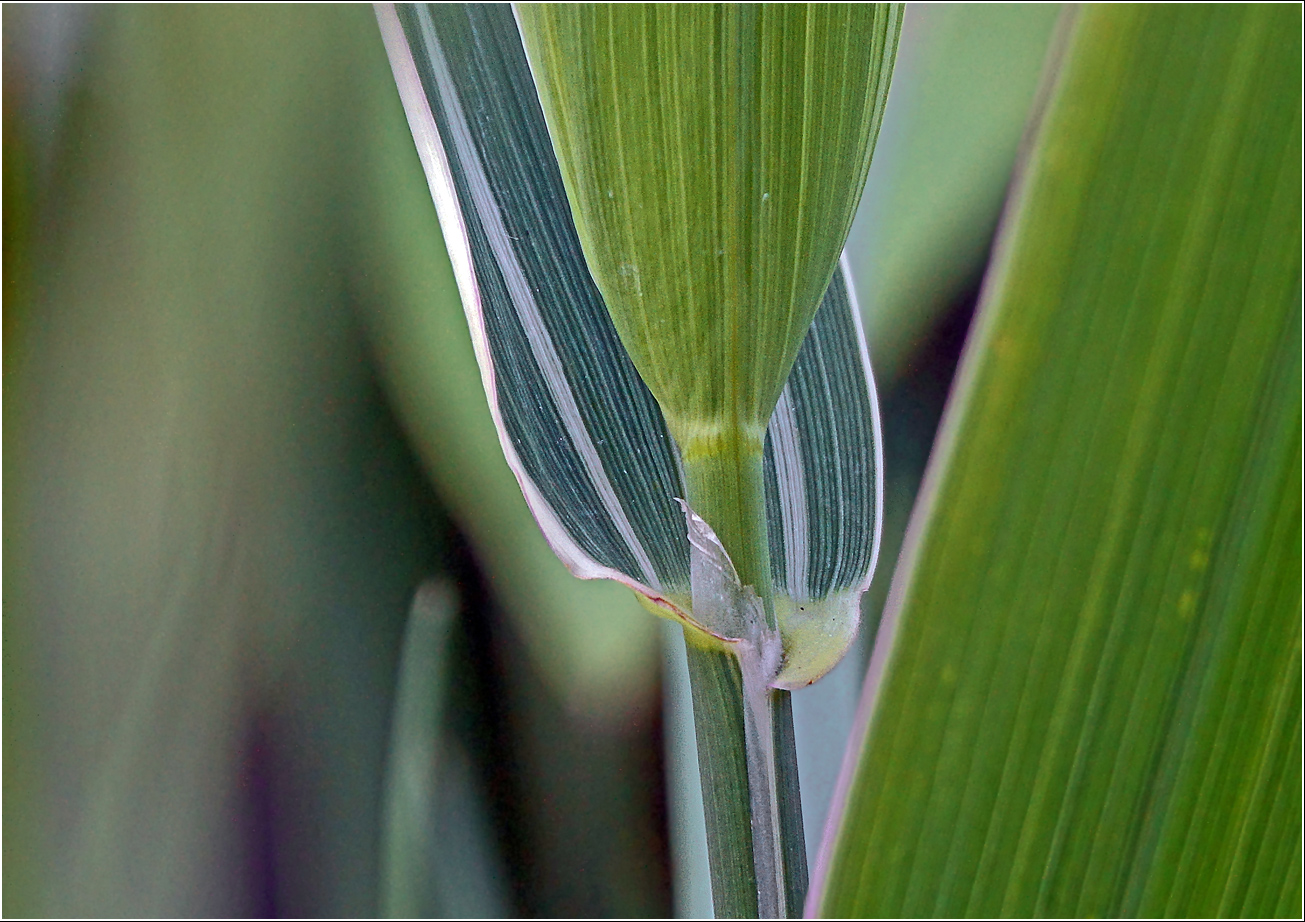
219,524
1091,704
965,79
430,785
216,519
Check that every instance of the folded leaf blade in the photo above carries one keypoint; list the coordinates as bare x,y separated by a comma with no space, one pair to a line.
824,504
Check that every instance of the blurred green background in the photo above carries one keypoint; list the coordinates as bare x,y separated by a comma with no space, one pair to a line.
280,636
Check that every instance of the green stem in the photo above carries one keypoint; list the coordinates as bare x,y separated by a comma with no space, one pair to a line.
718,726
744,729
725,483
718,718
791,835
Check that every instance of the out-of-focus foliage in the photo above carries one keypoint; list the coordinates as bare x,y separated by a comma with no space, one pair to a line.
430,788
214,527
215,520
966,77
1091,704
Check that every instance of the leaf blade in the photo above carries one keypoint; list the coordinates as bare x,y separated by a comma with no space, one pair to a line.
1037,743
686,137
474,196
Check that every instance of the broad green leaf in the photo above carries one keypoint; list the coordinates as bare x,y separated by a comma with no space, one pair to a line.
713,155
581,431
1090,704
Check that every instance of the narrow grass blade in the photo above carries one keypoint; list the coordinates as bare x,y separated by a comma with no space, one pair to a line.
823,468
582,433
578,427
438,857
1092,702
686,819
